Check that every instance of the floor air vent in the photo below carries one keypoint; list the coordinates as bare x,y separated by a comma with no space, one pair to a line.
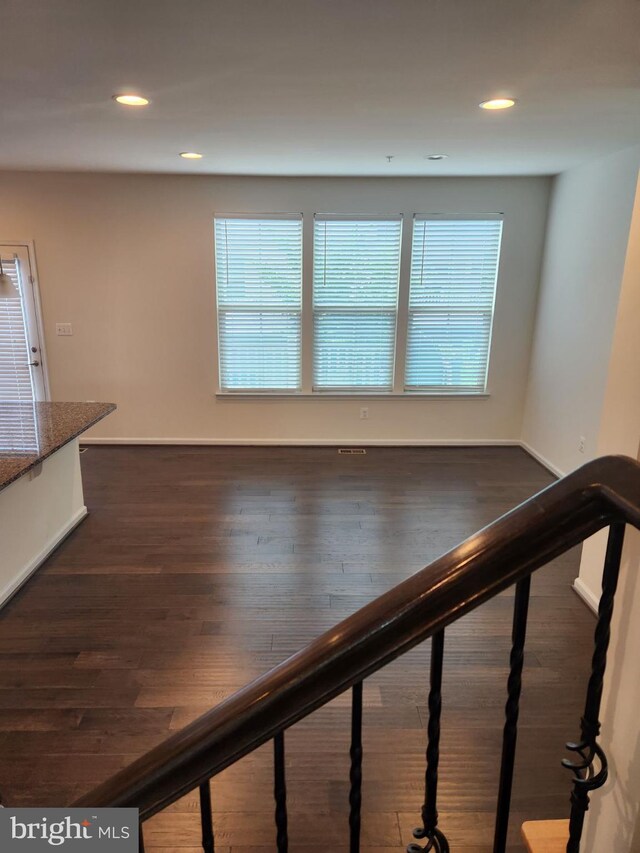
352,451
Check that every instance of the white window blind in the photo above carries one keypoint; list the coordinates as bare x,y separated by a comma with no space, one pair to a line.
259,289
355,297
18,427
15,373
17,416
454,268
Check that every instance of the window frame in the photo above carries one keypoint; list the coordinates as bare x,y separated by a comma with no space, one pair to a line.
398,390
354,390
440,391
261,392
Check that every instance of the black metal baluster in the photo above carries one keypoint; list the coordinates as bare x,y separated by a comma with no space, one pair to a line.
280,793
355,773
587,777
140,839
206,818
436,841
512,711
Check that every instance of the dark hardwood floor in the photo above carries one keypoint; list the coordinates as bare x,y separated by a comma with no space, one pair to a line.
199,568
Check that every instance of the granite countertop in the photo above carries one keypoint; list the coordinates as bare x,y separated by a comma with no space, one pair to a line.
29,432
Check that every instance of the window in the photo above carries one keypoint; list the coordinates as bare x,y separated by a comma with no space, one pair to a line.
454,266
367,316
22,378
15,375
356,264
259,287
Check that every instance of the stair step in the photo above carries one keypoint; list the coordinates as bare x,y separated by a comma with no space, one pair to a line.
546,836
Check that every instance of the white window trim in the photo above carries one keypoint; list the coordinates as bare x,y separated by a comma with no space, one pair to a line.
398,391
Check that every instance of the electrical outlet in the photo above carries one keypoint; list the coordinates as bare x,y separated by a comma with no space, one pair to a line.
581,444
364,413
64,329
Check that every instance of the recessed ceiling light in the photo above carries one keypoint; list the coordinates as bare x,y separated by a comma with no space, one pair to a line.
191,155
131,100
436,156
497,104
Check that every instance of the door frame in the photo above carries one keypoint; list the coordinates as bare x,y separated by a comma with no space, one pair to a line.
29,245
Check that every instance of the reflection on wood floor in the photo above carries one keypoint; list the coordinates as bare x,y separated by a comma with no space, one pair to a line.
200,567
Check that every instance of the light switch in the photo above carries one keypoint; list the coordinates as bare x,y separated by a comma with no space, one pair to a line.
64,329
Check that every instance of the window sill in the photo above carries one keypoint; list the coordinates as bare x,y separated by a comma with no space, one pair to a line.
349,395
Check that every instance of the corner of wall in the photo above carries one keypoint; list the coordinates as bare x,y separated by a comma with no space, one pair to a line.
576,315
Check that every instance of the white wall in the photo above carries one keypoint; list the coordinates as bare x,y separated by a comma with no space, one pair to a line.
620,417
614,822
585,380
128,260
620,421
587,237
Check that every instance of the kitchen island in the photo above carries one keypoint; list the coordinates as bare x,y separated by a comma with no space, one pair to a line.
41,497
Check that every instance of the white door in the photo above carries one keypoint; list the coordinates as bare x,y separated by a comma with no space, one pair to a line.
23,375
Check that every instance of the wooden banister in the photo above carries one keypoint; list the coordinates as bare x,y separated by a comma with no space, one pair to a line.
600,493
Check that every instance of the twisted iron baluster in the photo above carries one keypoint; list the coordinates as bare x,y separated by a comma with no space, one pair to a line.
588,777
280,793
512,712
436,841
355,773
206,818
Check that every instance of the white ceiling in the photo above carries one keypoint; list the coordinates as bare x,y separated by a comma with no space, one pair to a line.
318,87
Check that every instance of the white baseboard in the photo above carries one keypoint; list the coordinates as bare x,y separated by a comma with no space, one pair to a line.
34,564
591,600
541,459
313,442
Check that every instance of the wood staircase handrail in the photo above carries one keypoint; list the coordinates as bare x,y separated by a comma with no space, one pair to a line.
556,519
